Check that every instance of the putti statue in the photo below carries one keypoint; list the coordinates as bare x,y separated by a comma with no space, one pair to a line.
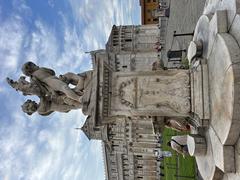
54,92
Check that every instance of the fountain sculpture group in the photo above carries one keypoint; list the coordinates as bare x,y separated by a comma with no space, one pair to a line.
54,92
208,92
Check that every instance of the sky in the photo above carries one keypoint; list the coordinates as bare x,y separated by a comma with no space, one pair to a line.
54,34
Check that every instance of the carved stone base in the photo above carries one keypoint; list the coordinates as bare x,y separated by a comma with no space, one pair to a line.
200,92
196,145
158,93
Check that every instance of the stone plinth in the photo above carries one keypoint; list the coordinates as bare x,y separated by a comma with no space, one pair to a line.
156,93
200,92
206,164
196,145
195,49
223,155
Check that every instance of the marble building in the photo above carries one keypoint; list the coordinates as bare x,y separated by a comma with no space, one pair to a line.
129,144
129,147
122,101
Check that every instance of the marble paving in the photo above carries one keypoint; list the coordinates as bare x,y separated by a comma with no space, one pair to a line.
218,29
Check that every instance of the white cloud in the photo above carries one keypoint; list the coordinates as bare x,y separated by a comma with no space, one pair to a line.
11,38
49,147
30,148
31,154
43,44
51,3
1,89
99,17
73,54
64,55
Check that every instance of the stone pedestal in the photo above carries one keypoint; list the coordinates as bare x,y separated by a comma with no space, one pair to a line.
195,49
156,93
196,145
141,93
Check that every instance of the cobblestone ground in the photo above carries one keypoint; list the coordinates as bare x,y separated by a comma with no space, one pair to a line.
184,15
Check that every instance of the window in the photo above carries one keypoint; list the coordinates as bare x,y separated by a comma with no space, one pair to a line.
128,40
96,129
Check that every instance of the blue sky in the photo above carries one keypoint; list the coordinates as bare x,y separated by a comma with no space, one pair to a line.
55,34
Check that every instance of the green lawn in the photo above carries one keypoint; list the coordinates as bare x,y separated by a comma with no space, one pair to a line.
177,166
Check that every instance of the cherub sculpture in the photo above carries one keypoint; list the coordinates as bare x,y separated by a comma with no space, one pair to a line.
54,92
26,87
46,105
47,76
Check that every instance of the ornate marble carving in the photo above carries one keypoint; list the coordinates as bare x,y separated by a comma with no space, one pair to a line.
124,95
166,92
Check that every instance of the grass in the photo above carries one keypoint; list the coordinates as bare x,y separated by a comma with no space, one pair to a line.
185,63
177,167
